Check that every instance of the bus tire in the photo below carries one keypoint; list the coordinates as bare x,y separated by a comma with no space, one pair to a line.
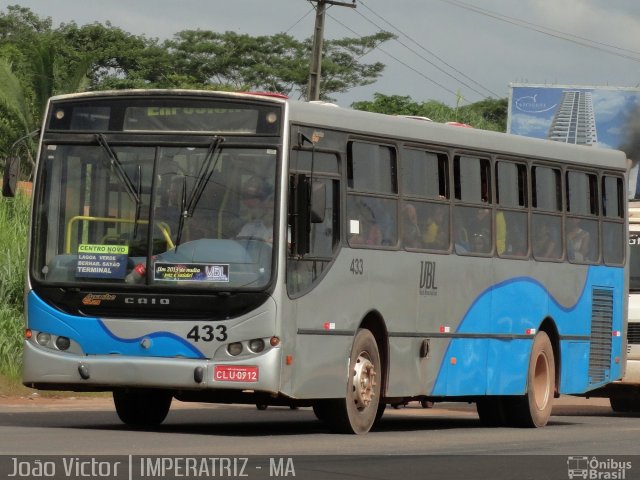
357,412
142,407
534,409
622,405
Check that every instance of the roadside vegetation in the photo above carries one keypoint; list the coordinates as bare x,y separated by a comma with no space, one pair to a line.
14,222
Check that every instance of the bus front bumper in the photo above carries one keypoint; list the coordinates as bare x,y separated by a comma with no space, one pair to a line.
49,369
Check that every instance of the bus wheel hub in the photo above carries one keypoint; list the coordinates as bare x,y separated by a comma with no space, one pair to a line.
364,381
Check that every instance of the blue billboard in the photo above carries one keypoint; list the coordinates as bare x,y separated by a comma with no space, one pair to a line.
601,117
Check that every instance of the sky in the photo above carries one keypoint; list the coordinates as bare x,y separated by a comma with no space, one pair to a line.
452,51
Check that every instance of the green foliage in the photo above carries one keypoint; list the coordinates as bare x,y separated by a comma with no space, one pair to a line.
14,221
488,114
11,330
276,63
39,61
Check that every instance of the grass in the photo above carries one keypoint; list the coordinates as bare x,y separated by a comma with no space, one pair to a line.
14,225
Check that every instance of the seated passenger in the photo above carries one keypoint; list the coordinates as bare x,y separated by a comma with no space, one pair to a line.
435,235
545,245
577,240
410,230
367,231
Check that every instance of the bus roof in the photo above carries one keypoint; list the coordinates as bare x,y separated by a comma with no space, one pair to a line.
321,114
435,133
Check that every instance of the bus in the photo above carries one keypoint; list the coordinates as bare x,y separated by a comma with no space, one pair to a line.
624,394
247,248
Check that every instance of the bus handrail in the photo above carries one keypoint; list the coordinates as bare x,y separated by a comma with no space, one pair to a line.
164,228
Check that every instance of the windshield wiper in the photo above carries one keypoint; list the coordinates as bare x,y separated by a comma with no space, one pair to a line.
207,168
116,164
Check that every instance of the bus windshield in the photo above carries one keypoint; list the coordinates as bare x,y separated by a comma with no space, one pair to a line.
198,217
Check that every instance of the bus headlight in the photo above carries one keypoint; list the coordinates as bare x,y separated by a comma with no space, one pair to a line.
63,343
43,339
234,348
256,345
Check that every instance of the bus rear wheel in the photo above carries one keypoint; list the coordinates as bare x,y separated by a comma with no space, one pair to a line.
625,405
143,408
357,412
534,409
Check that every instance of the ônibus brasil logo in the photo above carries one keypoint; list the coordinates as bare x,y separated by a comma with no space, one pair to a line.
597,469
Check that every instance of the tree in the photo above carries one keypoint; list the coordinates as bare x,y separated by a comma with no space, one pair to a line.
117,58
277,63
26,86
488,114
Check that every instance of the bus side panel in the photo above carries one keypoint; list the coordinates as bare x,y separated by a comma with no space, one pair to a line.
475,364
575,361
519,308
506,362
325,375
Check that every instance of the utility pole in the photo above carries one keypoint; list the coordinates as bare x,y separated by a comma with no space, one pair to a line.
313,92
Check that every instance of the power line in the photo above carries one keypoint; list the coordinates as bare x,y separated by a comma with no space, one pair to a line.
398,60
582,41
426,59
300,19
430,53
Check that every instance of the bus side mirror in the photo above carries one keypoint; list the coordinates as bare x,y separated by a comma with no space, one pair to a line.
318,202
10,177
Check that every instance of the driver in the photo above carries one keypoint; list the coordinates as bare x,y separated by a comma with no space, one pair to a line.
257,201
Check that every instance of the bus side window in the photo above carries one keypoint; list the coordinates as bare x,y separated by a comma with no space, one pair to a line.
613,246
472,187
512,218
372,201
582,238
546,219
425,210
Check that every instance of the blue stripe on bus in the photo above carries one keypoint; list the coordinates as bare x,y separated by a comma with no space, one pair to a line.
495,366
95,338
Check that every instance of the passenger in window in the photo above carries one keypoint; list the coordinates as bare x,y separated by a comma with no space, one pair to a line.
577,240
460,237
410,229
258,204
411,235
435,234
479,231
366,231
545,245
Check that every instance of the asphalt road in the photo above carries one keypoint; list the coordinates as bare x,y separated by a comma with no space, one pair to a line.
578,428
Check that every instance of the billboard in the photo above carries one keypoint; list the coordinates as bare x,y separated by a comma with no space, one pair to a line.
601,117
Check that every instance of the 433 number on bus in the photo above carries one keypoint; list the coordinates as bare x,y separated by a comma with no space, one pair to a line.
208,333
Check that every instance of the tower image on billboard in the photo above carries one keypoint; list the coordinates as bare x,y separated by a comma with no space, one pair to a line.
574,120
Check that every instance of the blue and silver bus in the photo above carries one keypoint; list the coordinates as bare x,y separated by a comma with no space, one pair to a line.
242,248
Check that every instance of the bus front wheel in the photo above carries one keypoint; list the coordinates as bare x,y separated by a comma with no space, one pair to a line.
142,407
357,412
534,409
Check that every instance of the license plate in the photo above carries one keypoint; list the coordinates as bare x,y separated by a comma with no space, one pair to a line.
235,373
